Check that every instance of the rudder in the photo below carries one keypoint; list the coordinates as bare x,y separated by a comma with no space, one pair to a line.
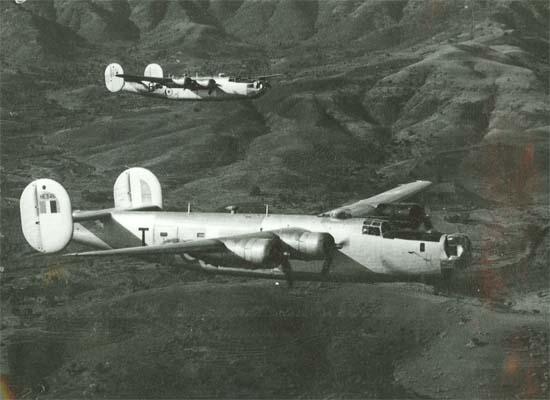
113,82
46,215
137,188
153,71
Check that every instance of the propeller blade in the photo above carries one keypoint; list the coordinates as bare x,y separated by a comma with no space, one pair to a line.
329,256
327,264
212,85
287,270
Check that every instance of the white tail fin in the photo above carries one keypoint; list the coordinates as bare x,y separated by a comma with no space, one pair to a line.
137,188
113,82
46,215
153,71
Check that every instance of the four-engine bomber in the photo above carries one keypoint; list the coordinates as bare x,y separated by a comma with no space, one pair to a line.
154,83
338,244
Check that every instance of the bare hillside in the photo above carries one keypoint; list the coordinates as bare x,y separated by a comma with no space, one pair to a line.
373,93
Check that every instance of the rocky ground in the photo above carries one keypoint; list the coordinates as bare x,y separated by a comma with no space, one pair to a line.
373,94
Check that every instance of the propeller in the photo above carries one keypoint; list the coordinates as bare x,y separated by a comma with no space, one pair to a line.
327,264
212,85
287,271
329,250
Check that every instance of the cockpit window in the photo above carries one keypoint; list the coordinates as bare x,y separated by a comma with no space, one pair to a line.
373,227
374,231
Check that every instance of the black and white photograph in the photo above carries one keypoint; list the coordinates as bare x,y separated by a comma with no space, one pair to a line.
274,199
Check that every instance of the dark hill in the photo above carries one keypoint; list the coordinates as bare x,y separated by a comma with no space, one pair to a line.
374,93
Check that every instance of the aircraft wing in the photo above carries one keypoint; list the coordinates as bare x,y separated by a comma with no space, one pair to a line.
264,77
364,207
196,246
139,79
185,83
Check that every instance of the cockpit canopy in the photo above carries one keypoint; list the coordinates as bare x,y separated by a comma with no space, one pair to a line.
375,227
394,230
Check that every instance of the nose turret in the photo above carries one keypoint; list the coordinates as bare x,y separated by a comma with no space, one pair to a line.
458,252
256,88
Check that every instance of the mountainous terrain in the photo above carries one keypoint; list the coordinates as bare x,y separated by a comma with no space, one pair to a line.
373,93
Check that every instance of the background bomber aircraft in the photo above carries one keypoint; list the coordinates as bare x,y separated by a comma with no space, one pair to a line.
394,240
153,83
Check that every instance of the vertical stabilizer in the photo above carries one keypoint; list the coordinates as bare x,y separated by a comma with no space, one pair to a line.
46,215
137,188
113,82
153,71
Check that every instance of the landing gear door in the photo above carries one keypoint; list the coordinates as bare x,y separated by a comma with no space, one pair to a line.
166,234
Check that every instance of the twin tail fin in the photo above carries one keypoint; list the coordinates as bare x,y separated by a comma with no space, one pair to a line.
47,216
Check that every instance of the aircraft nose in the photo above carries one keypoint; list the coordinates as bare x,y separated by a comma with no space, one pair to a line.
458,249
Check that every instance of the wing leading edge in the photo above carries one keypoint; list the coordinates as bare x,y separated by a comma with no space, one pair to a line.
366,206
195,246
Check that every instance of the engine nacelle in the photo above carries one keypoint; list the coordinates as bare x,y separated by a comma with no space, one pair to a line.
304,245
257,251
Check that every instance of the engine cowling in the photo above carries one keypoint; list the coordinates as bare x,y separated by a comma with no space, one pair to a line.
304,245
257,251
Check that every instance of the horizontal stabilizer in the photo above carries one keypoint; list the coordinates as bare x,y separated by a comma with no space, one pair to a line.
87,215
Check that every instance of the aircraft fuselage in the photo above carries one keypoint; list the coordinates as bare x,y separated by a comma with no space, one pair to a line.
360,256
226,90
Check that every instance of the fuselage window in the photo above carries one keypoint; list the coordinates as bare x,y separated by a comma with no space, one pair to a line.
163,234
250,85
422,247
200,234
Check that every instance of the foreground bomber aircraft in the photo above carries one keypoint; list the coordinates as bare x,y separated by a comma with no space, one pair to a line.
338,244
153,83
